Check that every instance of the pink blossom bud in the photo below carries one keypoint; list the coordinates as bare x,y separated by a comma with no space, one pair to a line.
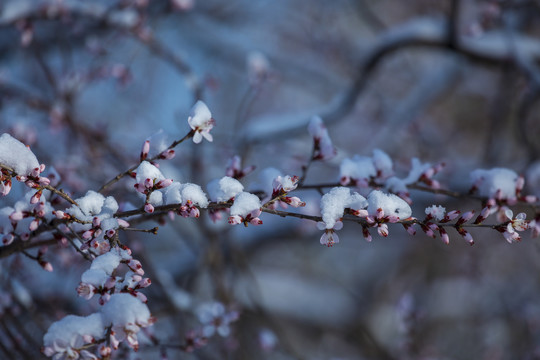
435,184
33,225
140,188
123,223
520,183
44,181
360,213
41,168
16,216
531,199
103,350
110,283
465,217
22,178
235,220
148,208
47,266
145,150
144,283
96,222
148,183
410,229
429,232
104,298
256,221
87,235
35,172
5,187
444,236
392,219
113,341
8,239
167,154
466,235
451,215
345,180
163,183
383,230
194,212
366,234
25,236
35,198
136,267
110,233
294,201
141,297
380,214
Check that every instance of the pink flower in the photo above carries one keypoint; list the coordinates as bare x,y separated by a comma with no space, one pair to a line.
329,237
201,122
85,290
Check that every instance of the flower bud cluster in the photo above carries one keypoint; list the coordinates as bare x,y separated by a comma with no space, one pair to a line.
280,188
100,279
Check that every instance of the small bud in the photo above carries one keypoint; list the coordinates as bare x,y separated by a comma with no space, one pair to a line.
35,198
167,154
145,150
47,266
123,223
148,208
163,183
148,183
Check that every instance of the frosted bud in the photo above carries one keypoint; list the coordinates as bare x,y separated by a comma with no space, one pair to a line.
148,208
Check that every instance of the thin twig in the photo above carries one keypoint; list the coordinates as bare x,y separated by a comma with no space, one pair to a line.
156,157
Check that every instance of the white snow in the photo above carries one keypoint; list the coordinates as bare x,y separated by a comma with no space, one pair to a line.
200,115
148,171
359,167
383,163
123,309
224,189
245,203
391,205
417,169
93,204
159,142
173,194
95,277
437,211
490,181
195,194
107,262
71,327
177,193
16,155
334,203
